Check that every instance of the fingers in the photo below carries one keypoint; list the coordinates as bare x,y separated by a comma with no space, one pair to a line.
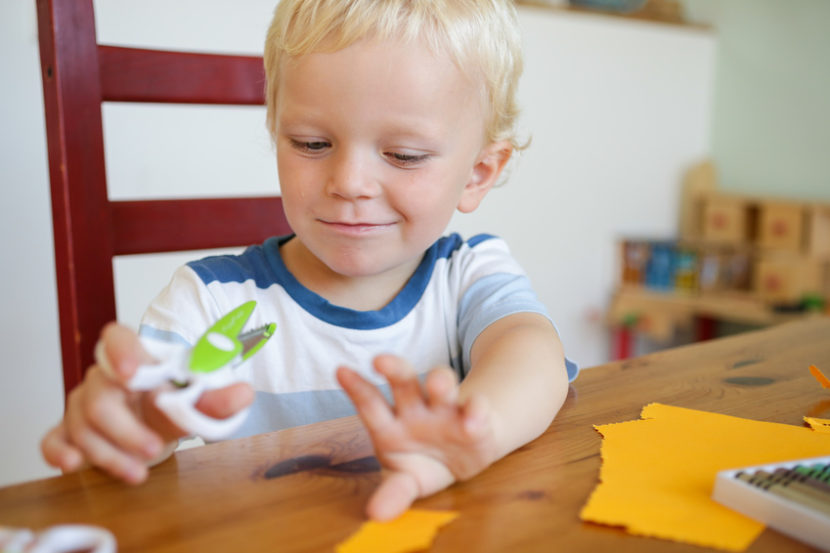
370,404
105,406
119,352
224,402
103,454
394,495
58,452
101,425
441,387
406,390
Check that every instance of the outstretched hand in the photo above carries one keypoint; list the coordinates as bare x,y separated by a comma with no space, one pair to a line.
427,440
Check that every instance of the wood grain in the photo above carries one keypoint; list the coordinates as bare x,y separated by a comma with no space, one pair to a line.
222,497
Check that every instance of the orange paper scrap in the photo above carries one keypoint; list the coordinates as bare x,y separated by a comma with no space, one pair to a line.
819,425
658,473
414,530
823,380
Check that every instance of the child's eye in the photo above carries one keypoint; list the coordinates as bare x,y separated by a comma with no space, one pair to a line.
405,160
311,146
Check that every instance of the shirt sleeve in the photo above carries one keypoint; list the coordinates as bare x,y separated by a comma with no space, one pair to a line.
493,286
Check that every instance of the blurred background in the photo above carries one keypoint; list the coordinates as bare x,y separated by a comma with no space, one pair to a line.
622,100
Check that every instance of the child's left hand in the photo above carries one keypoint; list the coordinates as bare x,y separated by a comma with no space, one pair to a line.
427,440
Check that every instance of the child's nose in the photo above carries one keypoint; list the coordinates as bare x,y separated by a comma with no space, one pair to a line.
351,177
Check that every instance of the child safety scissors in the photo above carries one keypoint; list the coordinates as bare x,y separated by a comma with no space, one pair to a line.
64,538
208,365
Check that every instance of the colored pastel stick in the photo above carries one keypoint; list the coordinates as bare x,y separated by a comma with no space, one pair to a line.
794,494
783,477
790,497
789,477
819,480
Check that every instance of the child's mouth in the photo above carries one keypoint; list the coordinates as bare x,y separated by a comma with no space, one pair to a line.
356,228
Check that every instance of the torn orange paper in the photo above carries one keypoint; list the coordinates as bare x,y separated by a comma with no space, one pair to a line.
412,531
658,473
819,425
823,380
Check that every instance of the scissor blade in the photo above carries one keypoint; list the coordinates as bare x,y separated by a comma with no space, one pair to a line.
254,339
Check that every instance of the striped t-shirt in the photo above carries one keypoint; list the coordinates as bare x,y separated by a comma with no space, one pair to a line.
459,288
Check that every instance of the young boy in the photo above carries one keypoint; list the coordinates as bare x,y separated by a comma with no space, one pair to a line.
387,117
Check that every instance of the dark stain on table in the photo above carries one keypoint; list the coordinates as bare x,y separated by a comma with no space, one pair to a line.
358,466
749,380
533,495
306,463
745,363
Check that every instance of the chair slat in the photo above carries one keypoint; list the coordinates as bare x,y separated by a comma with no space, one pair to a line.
148,226
141,75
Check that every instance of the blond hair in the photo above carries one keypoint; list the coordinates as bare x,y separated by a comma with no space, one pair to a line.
480,36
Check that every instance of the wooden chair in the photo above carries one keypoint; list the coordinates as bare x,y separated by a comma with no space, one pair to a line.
89,229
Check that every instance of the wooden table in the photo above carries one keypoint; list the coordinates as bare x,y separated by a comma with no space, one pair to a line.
304,489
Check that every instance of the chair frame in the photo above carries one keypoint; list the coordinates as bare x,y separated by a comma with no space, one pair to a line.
89,229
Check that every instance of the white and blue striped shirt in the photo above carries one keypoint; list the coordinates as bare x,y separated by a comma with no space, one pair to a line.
459,288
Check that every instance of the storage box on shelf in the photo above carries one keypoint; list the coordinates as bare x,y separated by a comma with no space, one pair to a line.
789,279
726,220
817,231
781,226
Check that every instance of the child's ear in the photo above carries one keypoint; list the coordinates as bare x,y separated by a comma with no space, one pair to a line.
486,171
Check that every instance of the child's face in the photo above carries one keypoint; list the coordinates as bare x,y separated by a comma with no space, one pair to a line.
377,145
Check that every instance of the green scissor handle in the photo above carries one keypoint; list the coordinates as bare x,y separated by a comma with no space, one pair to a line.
207,366
220,344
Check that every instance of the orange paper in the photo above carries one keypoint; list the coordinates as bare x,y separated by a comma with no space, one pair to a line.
819,425
412,531
658,473
823,380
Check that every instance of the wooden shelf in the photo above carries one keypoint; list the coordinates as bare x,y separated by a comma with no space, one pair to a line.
646,15
658,313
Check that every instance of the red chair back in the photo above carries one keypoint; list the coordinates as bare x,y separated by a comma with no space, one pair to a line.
78,75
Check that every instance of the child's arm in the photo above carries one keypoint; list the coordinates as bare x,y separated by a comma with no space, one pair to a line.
119,430
441,432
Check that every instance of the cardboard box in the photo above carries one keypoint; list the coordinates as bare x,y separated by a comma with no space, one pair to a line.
817,229
781,226
727,220
786,278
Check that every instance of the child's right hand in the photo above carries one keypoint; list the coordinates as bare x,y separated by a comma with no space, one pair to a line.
119,430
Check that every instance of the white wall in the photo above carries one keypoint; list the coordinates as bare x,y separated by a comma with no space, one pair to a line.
617,109
770,114
31,395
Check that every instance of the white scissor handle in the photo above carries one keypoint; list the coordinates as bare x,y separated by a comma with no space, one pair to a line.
150,376
180,406
64,538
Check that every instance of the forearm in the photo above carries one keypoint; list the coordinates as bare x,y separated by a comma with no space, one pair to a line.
519,367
